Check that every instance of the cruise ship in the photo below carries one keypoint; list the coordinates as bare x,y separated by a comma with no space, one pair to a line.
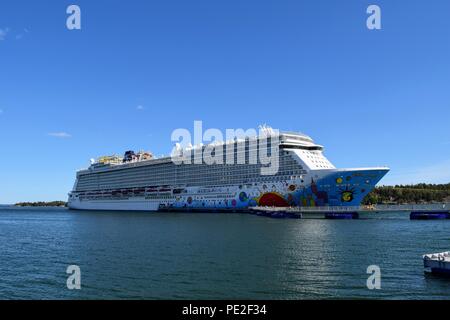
141,182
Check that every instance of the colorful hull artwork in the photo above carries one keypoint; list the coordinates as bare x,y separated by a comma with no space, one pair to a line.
340,188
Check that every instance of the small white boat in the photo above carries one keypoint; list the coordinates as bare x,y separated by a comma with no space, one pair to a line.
438,263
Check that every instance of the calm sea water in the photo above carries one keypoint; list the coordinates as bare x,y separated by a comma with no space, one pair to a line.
215,256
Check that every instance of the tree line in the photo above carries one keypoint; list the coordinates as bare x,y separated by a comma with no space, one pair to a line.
42,204
406,194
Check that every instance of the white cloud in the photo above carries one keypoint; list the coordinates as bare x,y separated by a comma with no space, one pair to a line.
21,35
436,173
3,33
60,135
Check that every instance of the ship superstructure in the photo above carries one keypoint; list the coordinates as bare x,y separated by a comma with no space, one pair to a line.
304,177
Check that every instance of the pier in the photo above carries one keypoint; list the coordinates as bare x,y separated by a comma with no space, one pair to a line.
416,211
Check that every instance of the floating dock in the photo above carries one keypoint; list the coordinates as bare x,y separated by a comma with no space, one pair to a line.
276,214
342,215
439,211
416,212
429,215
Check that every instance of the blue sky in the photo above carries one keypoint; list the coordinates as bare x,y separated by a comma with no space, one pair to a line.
370,97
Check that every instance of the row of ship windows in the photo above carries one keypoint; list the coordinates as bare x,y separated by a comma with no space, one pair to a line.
210,192
179,180
195,174
191,182
284,157
195,167
169,166
180,175
191,177
206,176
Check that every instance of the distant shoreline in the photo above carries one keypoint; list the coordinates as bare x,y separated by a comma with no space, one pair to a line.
41,204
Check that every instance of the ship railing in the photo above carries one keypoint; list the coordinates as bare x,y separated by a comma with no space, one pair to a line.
413,207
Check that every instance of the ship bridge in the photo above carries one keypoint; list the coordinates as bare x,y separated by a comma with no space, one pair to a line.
307,153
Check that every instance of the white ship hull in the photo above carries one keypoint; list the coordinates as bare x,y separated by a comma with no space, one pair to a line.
115,205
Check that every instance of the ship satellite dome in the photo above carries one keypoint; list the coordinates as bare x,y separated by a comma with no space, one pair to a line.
92,160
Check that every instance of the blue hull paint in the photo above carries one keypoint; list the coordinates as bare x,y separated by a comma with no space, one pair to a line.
341,188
